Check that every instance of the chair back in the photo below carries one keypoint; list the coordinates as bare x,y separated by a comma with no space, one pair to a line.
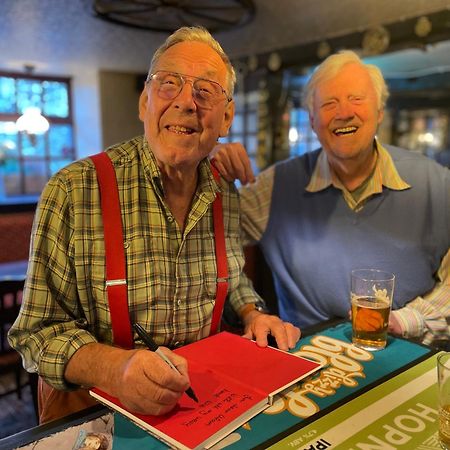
10,301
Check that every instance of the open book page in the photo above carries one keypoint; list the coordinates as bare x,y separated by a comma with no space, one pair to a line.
265,368
234,380
224,404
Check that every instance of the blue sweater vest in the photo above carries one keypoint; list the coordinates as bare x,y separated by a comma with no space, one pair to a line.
313,240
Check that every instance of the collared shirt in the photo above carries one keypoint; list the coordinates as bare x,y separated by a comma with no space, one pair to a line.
384,174
171,273
424,316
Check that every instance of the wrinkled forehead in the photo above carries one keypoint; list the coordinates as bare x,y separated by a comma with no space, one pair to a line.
350,70
193,58
350,77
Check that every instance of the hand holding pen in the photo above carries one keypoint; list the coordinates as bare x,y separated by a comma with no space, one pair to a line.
151,344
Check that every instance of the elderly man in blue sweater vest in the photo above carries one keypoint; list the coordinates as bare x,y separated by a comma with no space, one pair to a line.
353,203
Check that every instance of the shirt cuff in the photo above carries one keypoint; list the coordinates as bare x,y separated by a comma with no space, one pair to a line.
411,322
53,361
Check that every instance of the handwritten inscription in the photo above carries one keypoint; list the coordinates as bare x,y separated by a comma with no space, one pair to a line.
222,404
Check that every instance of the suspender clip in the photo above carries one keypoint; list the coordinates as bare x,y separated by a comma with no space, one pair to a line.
115,282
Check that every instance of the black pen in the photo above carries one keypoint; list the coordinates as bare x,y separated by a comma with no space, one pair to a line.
153,346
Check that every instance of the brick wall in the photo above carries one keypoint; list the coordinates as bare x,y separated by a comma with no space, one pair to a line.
15,231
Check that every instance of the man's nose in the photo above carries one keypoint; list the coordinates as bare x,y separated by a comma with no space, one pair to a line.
186,96
344,110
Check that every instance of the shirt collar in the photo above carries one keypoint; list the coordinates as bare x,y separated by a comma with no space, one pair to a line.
385,174
206,186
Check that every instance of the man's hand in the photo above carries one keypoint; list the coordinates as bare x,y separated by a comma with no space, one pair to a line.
394,325
232,162
259,325
148,385
140,379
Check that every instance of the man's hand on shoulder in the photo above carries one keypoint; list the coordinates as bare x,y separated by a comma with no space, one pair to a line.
259,326
233,162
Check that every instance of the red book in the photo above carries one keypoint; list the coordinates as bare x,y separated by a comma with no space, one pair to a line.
234,380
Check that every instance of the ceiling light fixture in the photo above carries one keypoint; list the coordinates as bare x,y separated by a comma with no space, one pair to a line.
376,41
169,15
32,121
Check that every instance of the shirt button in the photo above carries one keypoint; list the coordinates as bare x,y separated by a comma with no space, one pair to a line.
179,302
170,219
126,244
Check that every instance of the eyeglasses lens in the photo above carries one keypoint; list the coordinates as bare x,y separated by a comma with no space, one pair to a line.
205,93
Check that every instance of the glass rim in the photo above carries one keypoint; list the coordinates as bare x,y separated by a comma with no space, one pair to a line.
387,276
441,357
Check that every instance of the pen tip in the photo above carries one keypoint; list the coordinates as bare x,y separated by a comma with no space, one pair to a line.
192,395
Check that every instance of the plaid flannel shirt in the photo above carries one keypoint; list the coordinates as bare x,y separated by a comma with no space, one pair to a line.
171,273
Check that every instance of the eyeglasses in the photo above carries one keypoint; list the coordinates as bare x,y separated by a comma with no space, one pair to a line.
206,93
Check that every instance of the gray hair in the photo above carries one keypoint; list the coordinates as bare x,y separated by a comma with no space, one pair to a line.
332,65
197,34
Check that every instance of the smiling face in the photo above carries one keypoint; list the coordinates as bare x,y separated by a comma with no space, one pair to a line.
180,133
346,114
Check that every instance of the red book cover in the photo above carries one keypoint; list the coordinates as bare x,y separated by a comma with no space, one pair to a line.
234,380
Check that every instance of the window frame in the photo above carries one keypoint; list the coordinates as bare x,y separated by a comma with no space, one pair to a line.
30,199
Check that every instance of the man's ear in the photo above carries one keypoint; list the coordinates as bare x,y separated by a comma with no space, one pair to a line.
380,116
311,121
143,103
227,120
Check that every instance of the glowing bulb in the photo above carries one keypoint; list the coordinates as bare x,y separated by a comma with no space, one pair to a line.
32,121
293,135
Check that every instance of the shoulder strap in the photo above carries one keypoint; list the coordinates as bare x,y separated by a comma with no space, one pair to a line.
221,259
116,283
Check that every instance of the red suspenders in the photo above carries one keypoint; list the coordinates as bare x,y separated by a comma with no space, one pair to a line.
221,259
116,277
116,280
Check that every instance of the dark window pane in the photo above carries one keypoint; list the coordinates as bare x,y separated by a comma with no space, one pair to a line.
303,115
252,145
56,99
27,161
252,122
29,93
238,124
35,176
33,146
301,137
61,141
57,165
8,141
10,184
7,95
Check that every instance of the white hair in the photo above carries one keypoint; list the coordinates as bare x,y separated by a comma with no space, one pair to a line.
197,34
332,65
